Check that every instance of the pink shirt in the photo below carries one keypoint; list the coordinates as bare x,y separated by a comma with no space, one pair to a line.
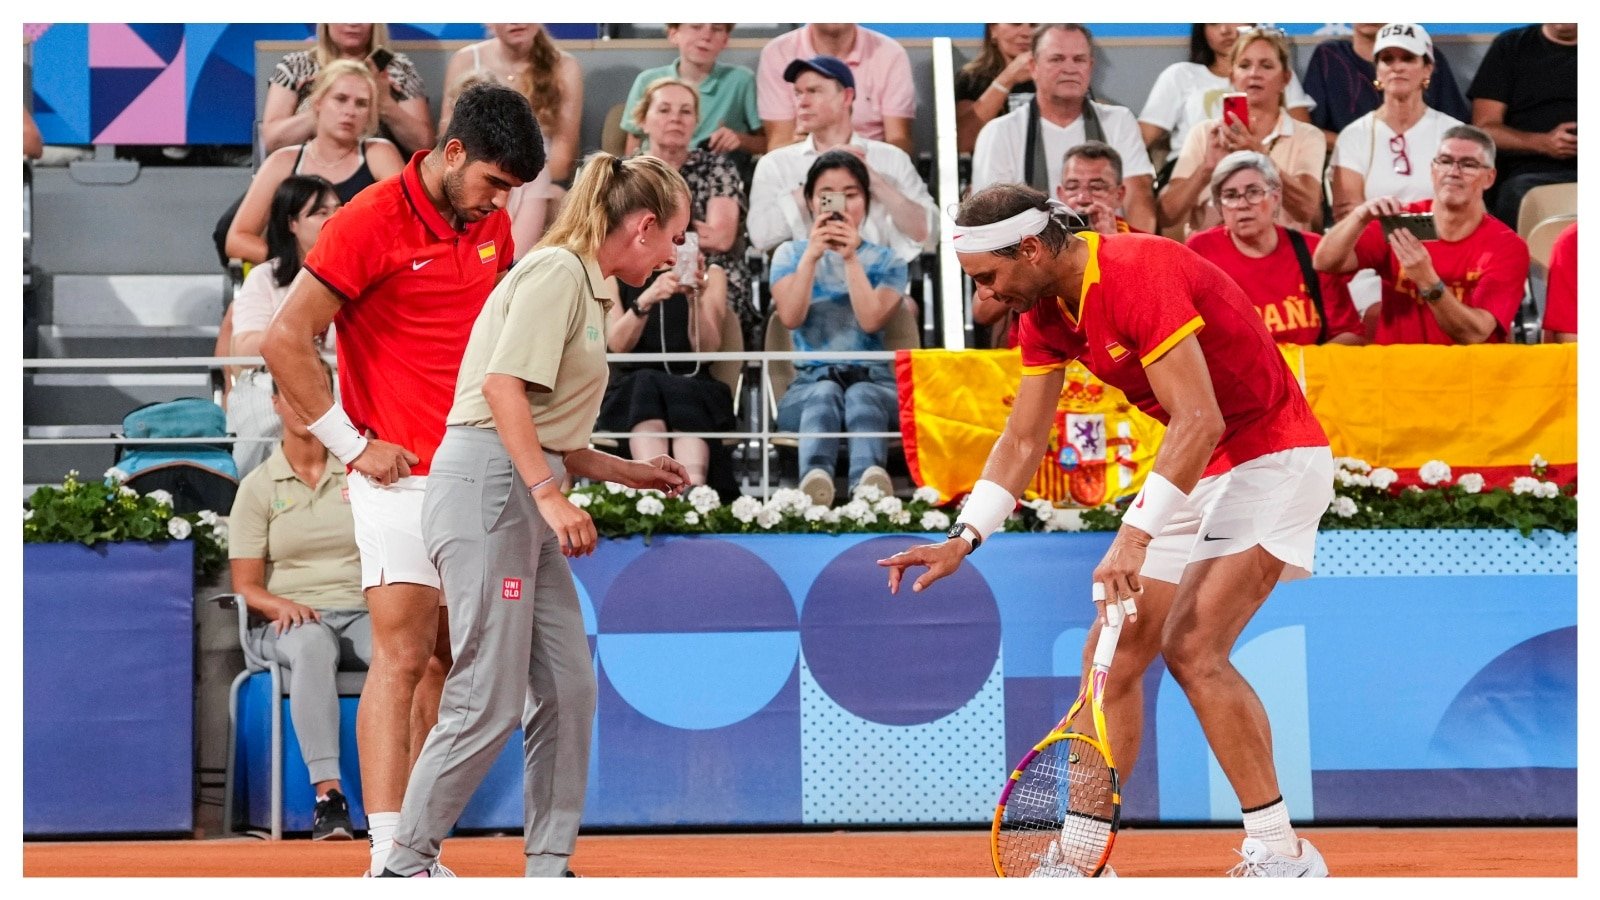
882,70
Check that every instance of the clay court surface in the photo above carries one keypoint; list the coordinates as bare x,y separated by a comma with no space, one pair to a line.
1350,852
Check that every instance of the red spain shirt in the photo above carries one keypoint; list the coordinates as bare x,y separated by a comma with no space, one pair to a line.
1486,270
1276,286
411,288
1141,295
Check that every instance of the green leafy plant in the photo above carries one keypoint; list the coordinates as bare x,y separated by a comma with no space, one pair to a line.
1365,497
91,512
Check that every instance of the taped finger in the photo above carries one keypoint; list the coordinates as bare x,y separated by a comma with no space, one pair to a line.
1113,614
1097,592
1129,607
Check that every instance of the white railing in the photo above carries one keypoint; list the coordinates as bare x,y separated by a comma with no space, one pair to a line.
762,435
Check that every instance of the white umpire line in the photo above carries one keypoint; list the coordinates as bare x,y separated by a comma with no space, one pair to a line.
764,434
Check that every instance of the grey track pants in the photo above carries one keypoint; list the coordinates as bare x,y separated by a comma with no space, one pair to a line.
312,655
516,631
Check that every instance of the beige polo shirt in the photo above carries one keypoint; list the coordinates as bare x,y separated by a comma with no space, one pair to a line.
1295,147
306,535
544,325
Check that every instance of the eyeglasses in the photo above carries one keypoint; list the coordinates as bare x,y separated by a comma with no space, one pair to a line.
1402,162
1250,196
1467,166
1096,187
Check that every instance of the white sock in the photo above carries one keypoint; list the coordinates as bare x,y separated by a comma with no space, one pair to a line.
1270,825
380,831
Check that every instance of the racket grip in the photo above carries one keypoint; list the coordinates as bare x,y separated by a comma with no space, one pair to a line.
1106,646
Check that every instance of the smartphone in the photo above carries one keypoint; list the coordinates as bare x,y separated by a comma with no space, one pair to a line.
1239,105
688,261
1419,224
381,58
831,202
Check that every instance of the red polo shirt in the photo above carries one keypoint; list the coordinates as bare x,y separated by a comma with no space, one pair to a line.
1276,285
1141,295
1487,270
411,288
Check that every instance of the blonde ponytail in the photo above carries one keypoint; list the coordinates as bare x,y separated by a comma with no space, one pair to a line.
606,190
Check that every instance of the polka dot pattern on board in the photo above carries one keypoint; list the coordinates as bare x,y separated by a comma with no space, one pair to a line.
860,772
1444,552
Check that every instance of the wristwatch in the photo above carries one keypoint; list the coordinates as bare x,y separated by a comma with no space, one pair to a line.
960,529
1433,294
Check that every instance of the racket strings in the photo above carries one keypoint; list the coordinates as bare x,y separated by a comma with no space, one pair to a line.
1059,815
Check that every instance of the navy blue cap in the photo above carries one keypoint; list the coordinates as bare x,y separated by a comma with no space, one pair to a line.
826,66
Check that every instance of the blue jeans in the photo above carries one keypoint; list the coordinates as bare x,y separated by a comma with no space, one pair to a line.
814,402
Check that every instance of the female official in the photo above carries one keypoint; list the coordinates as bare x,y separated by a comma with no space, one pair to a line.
497,525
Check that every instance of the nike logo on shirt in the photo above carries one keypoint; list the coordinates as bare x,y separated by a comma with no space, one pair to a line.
419,263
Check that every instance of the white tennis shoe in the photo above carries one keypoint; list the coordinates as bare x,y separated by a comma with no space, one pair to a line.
1053,863
1260,861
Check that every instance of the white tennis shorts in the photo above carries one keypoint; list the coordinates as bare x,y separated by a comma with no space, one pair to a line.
389,532
1275,501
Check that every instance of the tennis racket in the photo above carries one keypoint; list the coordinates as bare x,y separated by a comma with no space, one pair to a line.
1058,813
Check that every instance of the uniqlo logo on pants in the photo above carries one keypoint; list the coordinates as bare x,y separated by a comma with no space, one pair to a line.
511,589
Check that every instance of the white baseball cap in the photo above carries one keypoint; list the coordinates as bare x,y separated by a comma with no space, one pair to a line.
1408,36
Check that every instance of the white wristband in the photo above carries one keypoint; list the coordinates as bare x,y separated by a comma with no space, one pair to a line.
338,434
1155,506
987,507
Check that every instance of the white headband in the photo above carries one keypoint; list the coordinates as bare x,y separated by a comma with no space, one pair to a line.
1006,232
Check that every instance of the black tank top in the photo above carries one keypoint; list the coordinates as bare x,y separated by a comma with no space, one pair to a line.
350,187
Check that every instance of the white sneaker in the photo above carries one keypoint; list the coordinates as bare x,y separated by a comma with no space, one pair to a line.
818,485
1259,861
1054,864
877,477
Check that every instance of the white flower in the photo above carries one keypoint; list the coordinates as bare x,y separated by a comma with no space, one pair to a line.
1547,490
1413,488
691,518
1537,463
903,517
220,532
1383,478
615,488
935,520
651,492
161,497
1348,480
832,516
815,513
126,491
121,476
704,499
1065,520
745,509
787,500
889,506
1434,472
1044,510
207,517
1471,482
858,511
649,506
179,527
629,492
768,517
1352,464
1344,507
1525,485
27,514
867,492
580,500
926,494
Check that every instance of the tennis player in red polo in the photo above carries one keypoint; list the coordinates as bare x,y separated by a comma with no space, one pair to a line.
402,270
1240,482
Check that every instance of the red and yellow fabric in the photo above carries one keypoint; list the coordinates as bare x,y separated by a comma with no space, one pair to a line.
1485,409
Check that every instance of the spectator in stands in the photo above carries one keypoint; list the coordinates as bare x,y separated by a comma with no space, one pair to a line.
1029,144
1561,293
524,56
880,71
1525,95
836,291
1261,71
666,113
1272,263
299,207
341,152
1340,77
403,114
900,216
292,549
1189,92
995,81
1373,156
729,119
1091,185
1463,288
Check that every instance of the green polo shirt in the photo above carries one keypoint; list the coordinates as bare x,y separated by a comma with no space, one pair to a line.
306,535
727,97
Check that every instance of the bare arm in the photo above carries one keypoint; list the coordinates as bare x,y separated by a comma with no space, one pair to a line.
908,216
384,159
1560,142
569,119
1182,385
1302,198
897,131
711,307
460,65
753,143
247,235
281,126
409,120
779,133
791,294
721,226
1349,190
507,397
1140,203
1464,324
873,306
1151,134
1337,251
